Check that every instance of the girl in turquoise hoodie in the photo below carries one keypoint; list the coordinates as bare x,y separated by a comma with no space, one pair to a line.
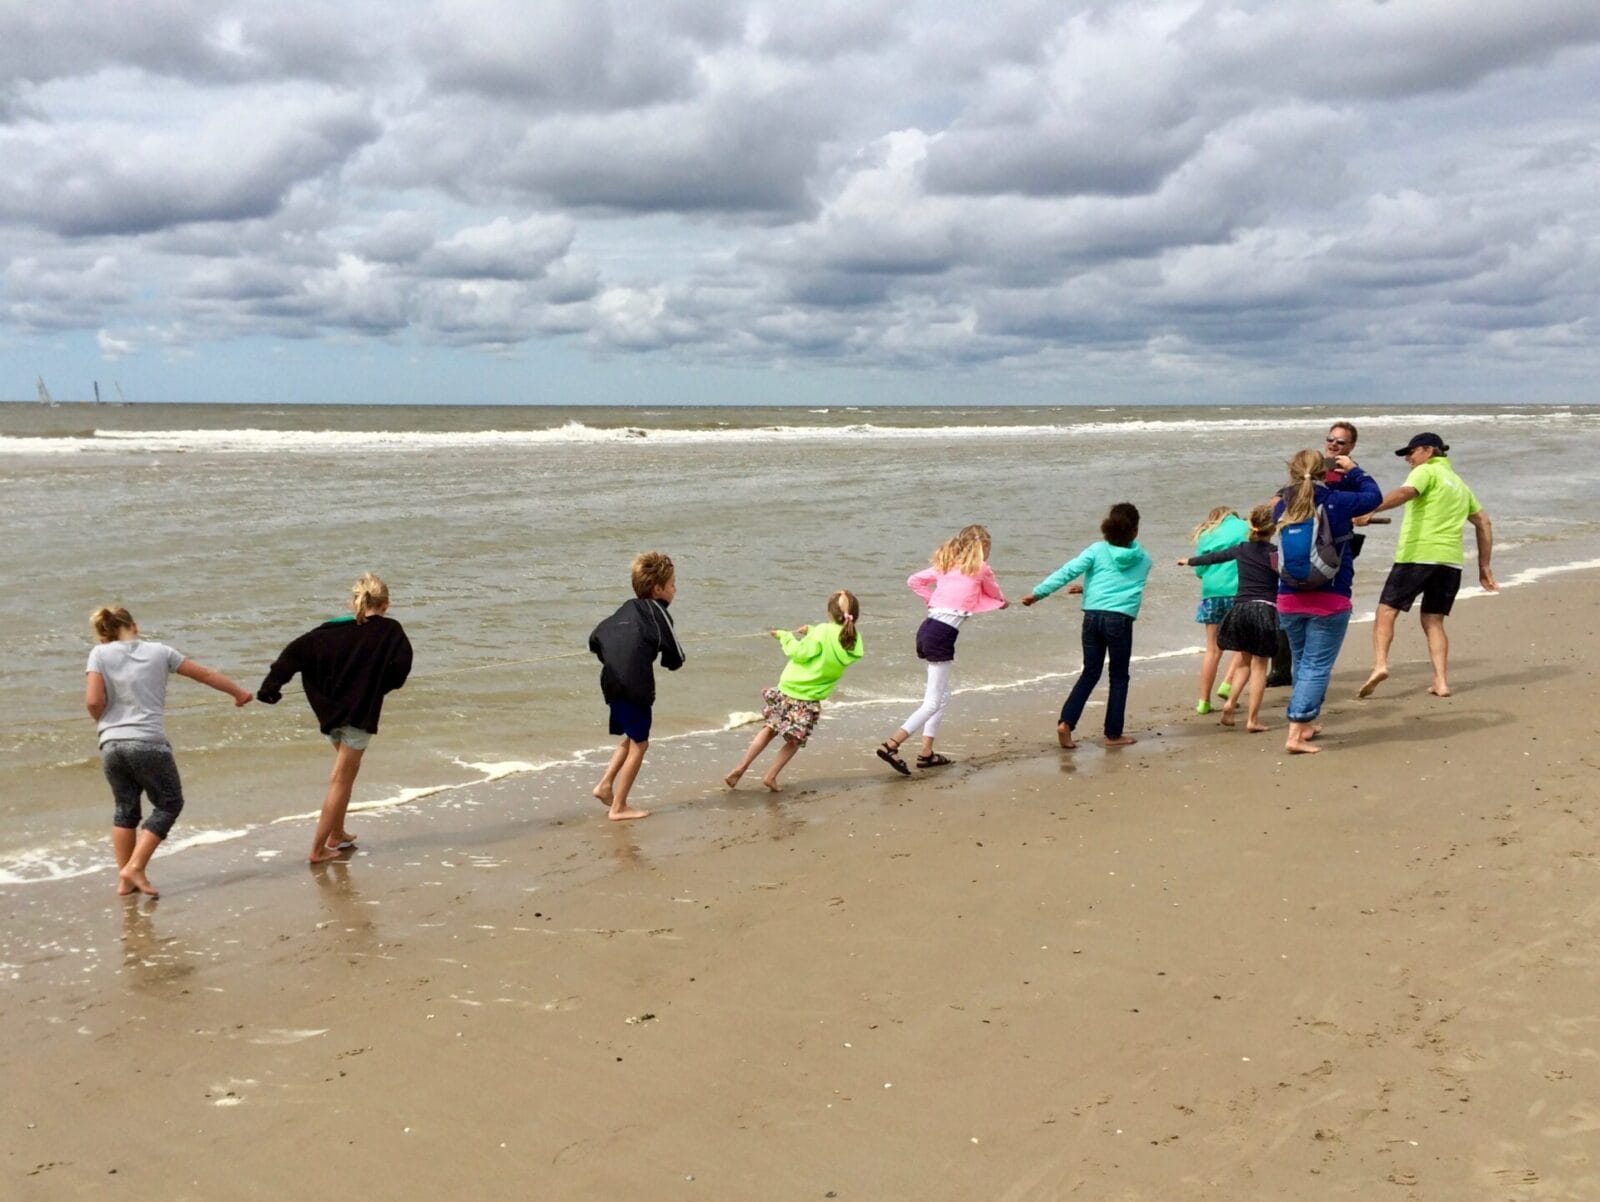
1219,584
1113,572
818,656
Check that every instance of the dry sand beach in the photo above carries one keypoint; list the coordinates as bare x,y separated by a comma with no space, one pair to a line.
1192,968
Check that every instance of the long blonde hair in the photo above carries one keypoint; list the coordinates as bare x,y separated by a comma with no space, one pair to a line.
109,621
965,553
1300,498
844,609
1213,520
368,596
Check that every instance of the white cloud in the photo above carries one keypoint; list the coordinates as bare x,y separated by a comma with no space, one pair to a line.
1213,188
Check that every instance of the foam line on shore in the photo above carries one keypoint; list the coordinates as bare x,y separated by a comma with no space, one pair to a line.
83,857
250,440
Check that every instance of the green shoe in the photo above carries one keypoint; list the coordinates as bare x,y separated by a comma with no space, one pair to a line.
1224,690
1202,707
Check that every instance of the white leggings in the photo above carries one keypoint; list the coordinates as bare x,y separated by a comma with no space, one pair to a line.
934,700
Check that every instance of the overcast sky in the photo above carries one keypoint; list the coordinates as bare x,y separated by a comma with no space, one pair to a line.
829,202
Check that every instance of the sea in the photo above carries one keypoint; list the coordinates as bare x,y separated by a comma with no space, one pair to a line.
505,535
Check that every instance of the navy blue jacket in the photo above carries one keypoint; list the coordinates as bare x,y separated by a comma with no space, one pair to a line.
627,644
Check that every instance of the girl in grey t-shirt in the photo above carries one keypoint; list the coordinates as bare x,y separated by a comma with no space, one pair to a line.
125,693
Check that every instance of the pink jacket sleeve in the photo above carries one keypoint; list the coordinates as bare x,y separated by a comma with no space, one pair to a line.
987,592
922,583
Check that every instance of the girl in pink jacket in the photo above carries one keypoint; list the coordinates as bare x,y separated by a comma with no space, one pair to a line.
959,583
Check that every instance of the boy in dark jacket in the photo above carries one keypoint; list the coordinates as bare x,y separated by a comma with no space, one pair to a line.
627,644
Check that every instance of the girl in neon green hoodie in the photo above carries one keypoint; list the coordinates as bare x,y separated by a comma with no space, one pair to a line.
818,656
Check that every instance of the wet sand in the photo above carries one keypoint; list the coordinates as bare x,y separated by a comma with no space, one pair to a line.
1191,968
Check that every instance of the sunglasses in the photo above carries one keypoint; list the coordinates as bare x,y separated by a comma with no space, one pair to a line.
1337,442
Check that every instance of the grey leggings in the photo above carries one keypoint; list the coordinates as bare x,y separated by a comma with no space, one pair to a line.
134,766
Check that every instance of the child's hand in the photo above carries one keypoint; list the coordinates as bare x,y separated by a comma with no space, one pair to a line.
777,634
242,698
1075,587
1029,600
1183,563
1005,605
800,631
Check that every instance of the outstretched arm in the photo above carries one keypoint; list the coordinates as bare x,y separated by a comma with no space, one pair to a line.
1392,499
1066,573
1484,529
216,680
270,690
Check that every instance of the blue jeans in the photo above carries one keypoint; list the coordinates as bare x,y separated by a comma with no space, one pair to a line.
1105,633
1313,645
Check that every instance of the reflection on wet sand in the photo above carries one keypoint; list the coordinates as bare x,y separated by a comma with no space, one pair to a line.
151,962
349,914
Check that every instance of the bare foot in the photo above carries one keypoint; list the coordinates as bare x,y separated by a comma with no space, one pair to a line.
1256,728
1064,735
1314,731
133,879
601,793
1439,690
624,815
1300,747
322,855
1379,675
1227,715
732,779
772,784
124,886
1121,741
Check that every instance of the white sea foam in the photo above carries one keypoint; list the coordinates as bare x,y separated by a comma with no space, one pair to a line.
78,858
81,857
256,441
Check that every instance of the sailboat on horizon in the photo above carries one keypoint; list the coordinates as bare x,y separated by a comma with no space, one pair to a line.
44,395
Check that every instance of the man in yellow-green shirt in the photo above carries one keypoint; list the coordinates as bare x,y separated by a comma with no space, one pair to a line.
1427,559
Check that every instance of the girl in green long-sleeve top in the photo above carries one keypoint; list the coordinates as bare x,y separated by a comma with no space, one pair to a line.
818,656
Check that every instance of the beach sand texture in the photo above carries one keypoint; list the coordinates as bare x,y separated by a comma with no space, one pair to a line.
1193,968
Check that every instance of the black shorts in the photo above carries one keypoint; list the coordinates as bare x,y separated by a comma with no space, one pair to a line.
1436,582
936,641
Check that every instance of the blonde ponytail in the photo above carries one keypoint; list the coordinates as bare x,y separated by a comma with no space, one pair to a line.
368,596
109,621
844,609
1305,469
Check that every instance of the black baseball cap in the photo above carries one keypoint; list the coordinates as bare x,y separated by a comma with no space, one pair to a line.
1423,440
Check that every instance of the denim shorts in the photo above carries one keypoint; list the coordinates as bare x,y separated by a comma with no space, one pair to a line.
352,737
135,767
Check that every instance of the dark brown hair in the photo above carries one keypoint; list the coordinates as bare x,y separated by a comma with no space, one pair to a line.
1121,526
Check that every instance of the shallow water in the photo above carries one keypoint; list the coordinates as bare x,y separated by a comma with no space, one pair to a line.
505,535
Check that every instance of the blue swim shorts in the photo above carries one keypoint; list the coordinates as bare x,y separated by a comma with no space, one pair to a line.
631,719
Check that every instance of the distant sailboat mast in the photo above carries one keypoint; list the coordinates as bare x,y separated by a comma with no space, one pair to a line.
97,392
44,394
118,387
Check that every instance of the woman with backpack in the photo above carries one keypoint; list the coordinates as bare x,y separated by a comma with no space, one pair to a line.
1315,572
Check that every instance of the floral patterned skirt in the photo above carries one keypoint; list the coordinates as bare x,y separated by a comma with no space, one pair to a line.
789,716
